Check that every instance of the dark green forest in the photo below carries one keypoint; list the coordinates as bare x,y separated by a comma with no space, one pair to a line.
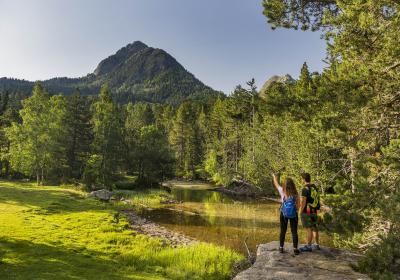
341,126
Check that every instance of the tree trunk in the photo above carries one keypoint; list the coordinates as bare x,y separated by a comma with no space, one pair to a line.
319,166
7,169
352,174
42,176
252,131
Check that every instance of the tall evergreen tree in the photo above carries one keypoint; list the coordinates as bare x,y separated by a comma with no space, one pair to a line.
138,116
305,77
184,138
155,160
8,115
79,133
106,145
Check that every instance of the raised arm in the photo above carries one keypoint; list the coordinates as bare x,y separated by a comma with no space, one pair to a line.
275,180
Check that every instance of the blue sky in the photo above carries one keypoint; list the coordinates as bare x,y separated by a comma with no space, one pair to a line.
222,42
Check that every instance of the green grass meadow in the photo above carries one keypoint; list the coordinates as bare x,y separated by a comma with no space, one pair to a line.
56,233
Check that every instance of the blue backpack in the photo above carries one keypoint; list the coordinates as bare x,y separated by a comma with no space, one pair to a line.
289,208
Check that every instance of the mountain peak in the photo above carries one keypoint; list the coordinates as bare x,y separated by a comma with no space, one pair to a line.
134,73
133,47
110,63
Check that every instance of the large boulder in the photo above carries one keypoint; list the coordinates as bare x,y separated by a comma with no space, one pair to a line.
241,187
103,195
324,264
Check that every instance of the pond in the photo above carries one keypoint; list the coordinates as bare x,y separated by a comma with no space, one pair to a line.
213,217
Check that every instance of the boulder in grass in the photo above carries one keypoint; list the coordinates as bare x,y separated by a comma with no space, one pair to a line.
103,195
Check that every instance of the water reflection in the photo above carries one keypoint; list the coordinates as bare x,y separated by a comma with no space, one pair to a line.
213,217
199,195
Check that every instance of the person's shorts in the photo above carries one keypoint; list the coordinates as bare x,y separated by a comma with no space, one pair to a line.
309,220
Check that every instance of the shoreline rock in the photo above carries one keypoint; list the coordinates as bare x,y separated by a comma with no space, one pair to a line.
103,195
240,188
149,228
324,264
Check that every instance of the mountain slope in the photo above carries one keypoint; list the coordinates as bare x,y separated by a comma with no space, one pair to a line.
134,73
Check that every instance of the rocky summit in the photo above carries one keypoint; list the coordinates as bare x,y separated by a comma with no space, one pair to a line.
324,264
286,79
134,73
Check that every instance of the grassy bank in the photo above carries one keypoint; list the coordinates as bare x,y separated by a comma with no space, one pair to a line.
54,233
143,198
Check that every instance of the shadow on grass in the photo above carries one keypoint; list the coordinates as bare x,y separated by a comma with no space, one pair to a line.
21,259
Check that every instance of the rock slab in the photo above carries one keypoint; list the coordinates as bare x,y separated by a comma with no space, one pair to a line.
103,195
324,264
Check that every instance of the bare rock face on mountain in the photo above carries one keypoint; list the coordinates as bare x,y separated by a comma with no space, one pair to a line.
113,61
324,264
286,79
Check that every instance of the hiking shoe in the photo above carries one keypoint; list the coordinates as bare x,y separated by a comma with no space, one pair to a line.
281,250
296,251
316,247
306,248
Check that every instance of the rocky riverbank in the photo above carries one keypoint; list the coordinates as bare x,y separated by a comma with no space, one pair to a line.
324,264
152,229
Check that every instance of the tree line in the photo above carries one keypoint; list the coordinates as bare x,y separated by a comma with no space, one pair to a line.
96,140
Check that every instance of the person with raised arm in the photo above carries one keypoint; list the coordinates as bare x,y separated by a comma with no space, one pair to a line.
288,213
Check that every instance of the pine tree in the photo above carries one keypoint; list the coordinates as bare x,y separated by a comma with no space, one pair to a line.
178,137
9,114
154,157
107,138
138,116
184,139
305,79
79,134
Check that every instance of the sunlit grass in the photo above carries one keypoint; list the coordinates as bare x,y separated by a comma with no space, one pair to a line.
143,198
55,233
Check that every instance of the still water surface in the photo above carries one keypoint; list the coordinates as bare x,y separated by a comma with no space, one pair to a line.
214,217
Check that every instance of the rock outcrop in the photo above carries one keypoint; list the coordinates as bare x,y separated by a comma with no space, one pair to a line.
286,79
103,195
240,187
324,264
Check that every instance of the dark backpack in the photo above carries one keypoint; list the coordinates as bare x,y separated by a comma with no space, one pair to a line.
289,207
